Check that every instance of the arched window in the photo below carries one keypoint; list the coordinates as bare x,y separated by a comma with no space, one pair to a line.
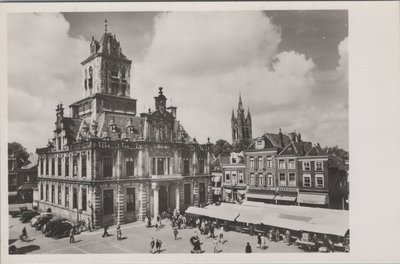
123,73
114,71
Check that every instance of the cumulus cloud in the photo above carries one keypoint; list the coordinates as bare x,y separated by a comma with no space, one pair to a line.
43,69
205,59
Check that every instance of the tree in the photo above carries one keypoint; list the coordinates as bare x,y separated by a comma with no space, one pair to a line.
221,148
20,153
241,145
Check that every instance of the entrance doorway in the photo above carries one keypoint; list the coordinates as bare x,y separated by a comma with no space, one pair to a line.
163,199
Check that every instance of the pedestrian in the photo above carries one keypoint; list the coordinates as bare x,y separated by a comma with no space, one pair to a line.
105,231
264,242
221,235
157,227
212,229
158,245
184,222
119,232
24,235
148,222
248,248
277,235
259,240
71,235
89,225
216,245
152,244
176,233
203,227
287,237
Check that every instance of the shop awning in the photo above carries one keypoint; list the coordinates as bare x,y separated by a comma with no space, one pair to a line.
325,229
195,210
285,198
260,196
314,198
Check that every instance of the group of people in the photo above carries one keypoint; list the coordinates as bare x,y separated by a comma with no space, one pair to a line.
157,244
178,220
158,222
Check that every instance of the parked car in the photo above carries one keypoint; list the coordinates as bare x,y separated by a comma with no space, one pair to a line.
19,212
35,219
42,220
58,227
27,216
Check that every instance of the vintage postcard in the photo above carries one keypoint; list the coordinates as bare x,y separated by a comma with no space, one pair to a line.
204,132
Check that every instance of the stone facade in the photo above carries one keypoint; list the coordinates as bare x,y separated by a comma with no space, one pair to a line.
108,165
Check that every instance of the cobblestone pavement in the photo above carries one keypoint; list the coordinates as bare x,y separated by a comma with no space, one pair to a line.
136,240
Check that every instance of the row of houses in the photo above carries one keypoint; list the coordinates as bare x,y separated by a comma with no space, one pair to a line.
282,169
22,174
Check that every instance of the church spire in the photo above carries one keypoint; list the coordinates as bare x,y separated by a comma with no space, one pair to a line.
240,105
248,114
233,116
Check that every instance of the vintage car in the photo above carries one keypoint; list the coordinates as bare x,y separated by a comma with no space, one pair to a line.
27,216
34,220
19,212
42,220
57,227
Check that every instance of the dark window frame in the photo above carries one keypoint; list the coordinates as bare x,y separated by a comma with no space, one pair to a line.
130,199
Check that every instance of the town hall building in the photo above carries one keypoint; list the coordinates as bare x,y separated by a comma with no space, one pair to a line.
110,165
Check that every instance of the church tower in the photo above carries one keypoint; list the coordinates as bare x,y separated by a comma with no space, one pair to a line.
106,70
241,124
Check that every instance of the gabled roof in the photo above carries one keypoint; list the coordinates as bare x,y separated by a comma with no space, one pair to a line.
290,150
275,139
121,122
71,127
316,151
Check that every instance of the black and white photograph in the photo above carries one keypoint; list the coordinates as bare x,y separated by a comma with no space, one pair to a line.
189,133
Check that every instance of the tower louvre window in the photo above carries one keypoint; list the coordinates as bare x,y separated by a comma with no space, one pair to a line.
90,81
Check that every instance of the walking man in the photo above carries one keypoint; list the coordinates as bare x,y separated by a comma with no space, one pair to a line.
152,244
215,245
71,235
105,231
89,225
158,245
259,240
176,232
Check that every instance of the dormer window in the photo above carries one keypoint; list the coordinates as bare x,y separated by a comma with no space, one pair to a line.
260,144
233,160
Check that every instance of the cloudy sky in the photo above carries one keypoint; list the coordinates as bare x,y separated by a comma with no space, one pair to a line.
289,66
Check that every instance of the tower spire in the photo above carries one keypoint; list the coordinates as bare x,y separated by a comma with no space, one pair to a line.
240,105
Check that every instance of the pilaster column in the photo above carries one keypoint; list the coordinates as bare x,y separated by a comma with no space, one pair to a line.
195,193
140,164
155,188
177,197
119,164
97,207
210,191
143,202
120,205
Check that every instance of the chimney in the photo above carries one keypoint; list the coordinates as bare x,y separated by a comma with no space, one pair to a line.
299,137
281,137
